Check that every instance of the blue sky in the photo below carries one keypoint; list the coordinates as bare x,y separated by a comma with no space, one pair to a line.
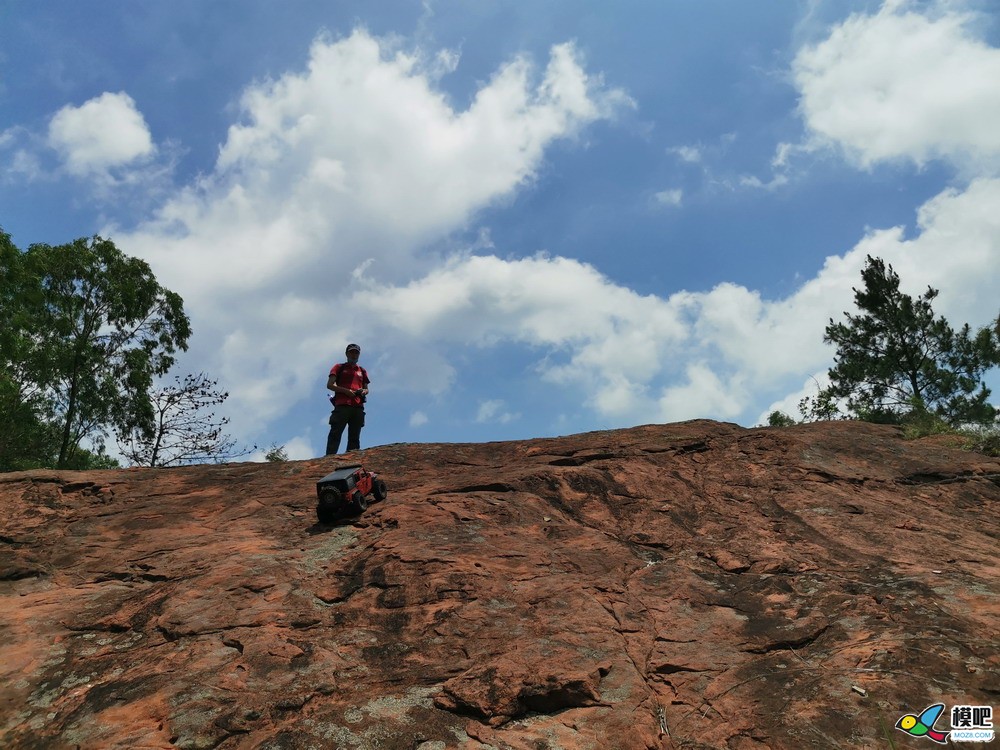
535,218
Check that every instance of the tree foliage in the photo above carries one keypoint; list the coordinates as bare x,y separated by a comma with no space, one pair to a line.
896,360
84,330
778,418
28,438
107,329
276,454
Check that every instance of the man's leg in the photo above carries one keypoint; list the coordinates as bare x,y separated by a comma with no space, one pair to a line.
354,430
337,424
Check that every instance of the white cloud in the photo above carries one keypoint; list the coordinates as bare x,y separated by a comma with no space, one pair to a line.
299,448
714,353
703,393
418,419
689,154
588,325
102,133
752,181
332,182
26,164
309,234
669,197
789,404
494,410
445,62
900,84
23,163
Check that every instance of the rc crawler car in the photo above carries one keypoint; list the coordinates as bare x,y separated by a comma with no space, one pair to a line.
343,492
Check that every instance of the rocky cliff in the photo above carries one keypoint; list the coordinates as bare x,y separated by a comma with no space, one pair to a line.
668,586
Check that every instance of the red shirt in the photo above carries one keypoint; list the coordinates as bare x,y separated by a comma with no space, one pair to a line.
348,376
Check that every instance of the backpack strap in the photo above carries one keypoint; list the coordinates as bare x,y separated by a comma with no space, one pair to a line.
340,372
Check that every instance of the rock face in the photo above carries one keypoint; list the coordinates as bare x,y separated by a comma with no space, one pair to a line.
667,586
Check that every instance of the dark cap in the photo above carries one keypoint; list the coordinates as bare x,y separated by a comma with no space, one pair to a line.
354,347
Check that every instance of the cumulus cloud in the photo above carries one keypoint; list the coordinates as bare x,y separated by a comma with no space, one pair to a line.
689,154
901,84
27,165
327,192
776,181
494,410
586,323
789,404
105,132
715,353
334,180
703,392
911,83
669,197
298,448
19,156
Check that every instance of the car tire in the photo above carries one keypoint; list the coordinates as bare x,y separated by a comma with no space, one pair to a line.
358,504
379,491
328,509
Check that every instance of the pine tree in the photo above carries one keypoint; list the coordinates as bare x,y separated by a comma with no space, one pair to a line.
895,360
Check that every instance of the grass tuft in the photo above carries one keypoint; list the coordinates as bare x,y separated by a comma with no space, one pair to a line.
886,732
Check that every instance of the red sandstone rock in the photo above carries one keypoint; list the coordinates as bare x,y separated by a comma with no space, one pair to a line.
667,586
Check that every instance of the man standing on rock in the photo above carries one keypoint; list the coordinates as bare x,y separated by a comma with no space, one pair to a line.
349,383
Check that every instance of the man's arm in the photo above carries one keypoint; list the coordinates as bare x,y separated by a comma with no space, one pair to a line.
331,382
331,385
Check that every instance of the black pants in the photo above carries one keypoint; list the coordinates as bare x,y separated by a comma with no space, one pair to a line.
351,417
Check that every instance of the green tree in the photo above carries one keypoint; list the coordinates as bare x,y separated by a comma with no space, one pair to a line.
28,438
779,419
895,359
103,328
184,430
276,454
